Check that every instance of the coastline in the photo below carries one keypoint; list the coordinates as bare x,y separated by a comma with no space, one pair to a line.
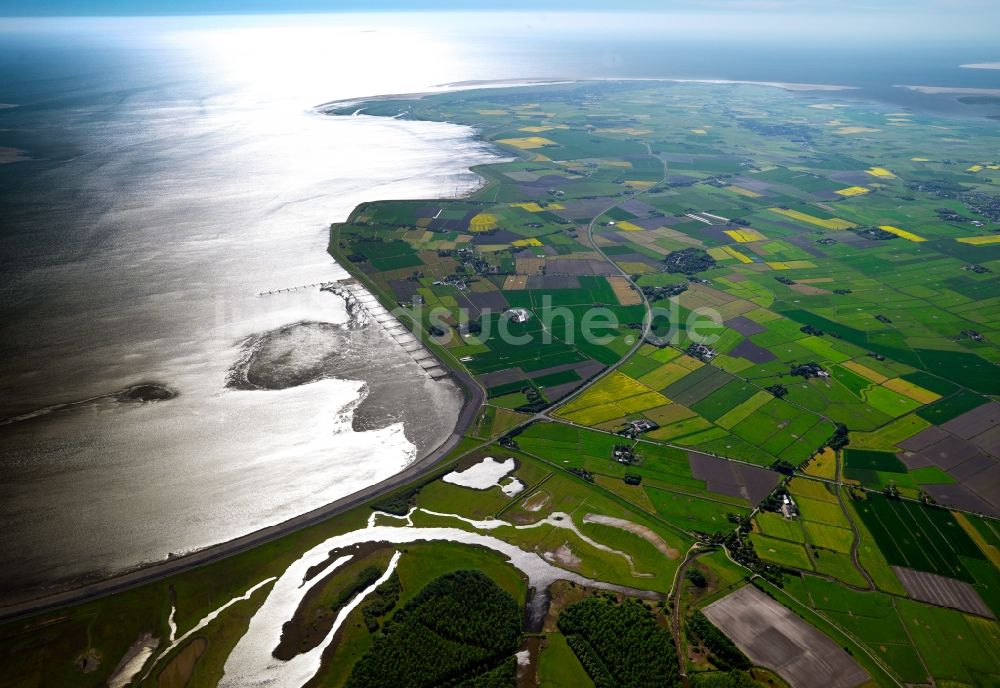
420,468
424,463
163,569
951,90
474,397
515,83
246,654
442,88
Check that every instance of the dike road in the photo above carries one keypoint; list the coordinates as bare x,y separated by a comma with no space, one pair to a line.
475,395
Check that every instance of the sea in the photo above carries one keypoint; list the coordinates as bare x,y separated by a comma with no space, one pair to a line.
157,175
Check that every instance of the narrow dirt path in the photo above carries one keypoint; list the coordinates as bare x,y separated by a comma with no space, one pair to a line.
839,489
675,614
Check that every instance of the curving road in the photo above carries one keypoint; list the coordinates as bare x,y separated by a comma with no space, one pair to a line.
474,399
647,324
475,396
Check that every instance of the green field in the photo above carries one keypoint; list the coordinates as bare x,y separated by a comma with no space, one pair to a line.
691,513
918,537
877,620
558,666
781,552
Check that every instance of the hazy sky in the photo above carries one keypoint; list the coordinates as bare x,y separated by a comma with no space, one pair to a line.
907,10
868,24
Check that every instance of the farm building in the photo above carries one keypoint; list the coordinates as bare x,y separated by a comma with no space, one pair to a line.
788,507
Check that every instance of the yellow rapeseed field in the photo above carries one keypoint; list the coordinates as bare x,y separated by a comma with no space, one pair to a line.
726,252
528,142
909,236
615,396
908,389
980,240
530,207
853,191
832,223
865,372
823,465
738,255
745,236
880,172
790,264
483,222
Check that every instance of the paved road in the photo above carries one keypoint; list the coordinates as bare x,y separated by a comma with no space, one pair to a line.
647,324
475,396
474,399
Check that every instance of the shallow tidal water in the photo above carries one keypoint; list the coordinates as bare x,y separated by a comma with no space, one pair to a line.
160,200
251,663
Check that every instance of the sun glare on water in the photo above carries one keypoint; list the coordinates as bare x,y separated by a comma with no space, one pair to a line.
316,59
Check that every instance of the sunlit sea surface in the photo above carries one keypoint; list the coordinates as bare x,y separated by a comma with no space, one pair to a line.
174,169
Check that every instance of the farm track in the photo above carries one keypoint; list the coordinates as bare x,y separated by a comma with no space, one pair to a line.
856,542
675,614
